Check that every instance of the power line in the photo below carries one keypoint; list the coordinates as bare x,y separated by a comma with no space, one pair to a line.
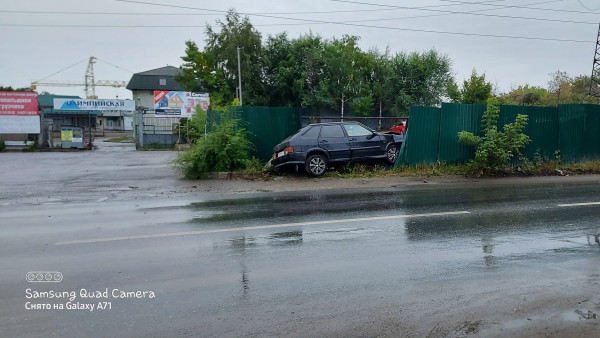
426,8
589,9
513,6
469,13
488,15
100,26
444,13
368,26
314,22
475,12
191,14
100,13
292,19
197,14
387,6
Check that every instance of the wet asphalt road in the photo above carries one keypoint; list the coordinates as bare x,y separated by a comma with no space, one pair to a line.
331,263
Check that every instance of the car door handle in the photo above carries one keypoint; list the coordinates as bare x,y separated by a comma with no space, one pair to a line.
324,141
352,139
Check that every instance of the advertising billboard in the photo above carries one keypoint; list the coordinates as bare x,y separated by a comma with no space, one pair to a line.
179,104
98,104
19,113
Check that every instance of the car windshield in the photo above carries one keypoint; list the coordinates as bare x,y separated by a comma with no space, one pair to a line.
357,130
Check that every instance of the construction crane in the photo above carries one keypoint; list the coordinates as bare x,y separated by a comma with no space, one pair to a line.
89,83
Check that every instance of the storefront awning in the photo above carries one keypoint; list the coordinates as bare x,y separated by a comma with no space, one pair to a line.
51,111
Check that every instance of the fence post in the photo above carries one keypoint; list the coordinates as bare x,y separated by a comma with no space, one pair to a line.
141,126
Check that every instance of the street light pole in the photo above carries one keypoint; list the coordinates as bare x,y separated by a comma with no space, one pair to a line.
239,73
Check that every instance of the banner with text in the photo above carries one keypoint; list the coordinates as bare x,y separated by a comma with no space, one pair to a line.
98,104
179,104
19,113
19,104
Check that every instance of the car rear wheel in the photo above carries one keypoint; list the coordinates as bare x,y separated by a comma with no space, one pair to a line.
392,154
316,165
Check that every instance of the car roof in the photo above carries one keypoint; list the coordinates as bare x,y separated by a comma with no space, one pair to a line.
332,123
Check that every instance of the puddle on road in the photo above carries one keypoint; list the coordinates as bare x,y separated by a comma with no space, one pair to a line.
594,238
286,238
488,237
579,315
292,206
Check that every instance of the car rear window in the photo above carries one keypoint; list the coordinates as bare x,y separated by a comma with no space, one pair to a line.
332,131
312,132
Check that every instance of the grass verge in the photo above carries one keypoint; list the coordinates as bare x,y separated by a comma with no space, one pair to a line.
120,139
257,170
426,170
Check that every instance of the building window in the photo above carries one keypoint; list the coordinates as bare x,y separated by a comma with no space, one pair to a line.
162,82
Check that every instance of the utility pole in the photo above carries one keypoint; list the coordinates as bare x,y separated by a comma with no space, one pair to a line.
239,72
595,78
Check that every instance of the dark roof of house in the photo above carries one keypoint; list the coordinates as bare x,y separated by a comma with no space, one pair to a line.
150,80
47,100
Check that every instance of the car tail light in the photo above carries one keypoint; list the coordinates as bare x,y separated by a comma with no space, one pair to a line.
288,150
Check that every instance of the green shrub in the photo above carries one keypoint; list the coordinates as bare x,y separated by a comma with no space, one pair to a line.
31,147
226,149
194,128
254,166
2,145
495,148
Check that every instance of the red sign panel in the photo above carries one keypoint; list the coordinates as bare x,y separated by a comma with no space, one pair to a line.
159,94
19,104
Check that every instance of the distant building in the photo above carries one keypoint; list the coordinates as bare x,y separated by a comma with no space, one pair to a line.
52,120
143,84
162,119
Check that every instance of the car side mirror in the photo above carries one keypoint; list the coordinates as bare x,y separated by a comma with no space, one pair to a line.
371,136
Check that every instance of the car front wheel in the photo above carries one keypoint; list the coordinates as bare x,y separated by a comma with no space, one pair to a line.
316,165
392,154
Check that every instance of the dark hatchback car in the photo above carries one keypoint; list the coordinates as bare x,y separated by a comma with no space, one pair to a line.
317,146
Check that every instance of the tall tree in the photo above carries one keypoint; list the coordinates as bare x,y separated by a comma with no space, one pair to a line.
198,73
316,94
417,78
312,72
285,71
11,89
474,90
379,74
559,88
340,56
525,96
580,89
222,49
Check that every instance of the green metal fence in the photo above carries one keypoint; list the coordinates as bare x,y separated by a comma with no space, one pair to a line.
425,128
542,128
266,126
579,135
572,129
455,118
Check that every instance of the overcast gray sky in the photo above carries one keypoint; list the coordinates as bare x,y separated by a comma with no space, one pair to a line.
512,42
